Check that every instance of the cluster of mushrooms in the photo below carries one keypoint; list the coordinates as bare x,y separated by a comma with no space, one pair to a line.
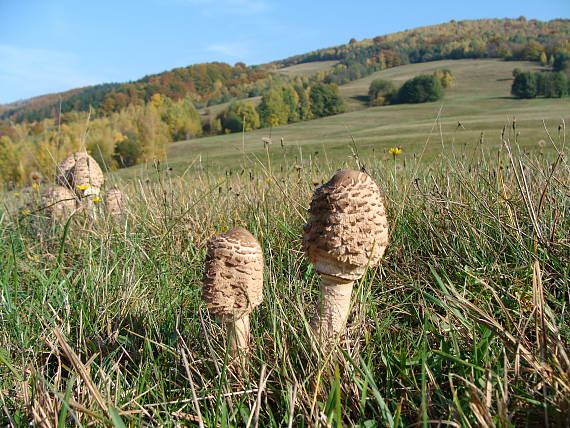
347,232
79,180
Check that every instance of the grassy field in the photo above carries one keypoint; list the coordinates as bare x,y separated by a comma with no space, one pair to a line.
480,100
464,323
308,68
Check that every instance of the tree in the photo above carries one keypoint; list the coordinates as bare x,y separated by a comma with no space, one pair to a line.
325,100
561,61
556,85
445,77
272,109
525,85
249,115
380,92
420,89
532,50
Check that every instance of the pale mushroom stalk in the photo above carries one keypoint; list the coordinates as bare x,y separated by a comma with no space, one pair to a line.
335,304
239,333
347,231
233,283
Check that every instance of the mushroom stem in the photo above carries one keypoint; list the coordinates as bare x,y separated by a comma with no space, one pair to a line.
334,306
238,331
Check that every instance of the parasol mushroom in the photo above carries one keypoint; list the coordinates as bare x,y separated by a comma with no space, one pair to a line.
59,202
116,203
233,282
81,173
346,232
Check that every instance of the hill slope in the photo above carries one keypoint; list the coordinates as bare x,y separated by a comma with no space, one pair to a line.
479,101
214,83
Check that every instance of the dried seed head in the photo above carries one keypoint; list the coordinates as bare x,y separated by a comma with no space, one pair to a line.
233,276
80,172
59,202
347,229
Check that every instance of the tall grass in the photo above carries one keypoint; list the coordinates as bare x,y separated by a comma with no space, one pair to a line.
464,324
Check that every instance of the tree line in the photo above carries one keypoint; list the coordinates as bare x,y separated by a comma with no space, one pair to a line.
548,84
140,132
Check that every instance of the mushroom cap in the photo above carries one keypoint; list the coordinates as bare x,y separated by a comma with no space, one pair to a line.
116,202
79,170
233,275
347,229
59,202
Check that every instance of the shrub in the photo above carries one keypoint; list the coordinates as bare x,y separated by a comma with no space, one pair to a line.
420,89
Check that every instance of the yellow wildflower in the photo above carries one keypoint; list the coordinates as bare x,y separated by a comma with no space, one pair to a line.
395,151
35,185
96,199
17,195
83,187
25,212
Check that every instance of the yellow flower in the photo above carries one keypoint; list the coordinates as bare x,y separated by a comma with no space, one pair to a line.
83,187
35,185
395,151
17,195
96,199
25,212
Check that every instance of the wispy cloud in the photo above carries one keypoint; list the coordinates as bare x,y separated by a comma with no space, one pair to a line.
26,72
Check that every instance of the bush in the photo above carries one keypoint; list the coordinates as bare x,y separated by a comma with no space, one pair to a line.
420,89
325,100
381,92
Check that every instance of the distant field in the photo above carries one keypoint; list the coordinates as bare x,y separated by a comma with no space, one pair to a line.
307,68
480,100
218,108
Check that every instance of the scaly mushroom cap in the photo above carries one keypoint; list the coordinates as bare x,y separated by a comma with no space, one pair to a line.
116,202
80,172
233,276
347,228
59,202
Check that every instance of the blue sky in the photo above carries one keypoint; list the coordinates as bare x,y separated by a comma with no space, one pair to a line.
51,46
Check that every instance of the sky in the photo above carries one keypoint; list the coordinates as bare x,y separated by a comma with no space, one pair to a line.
50,46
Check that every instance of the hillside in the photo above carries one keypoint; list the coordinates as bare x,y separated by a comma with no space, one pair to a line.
479,100
215,83
504,38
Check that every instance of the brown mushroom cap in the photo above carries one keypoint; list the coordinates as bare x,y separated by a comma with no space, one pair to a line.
116,202
233,276
78,170
59,202
347,229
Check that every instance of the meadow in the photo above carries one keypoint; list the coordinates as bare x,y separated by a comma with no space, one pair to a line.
465,322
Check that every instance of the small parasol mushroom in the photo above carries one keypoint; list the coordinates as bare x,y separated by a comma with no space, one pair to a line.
233,282
116,203
58,202
346,232
81,173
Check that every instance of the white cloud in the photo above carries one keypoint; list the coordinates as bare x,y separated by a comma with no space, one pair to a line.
27,72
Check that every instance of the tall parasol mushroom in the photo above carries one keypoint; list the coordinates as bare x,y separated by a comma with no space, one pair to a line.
233,282
346,232
81,173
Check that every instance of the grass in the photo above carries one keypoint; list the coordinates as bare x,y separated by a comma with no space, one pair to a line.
465,323
307,69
